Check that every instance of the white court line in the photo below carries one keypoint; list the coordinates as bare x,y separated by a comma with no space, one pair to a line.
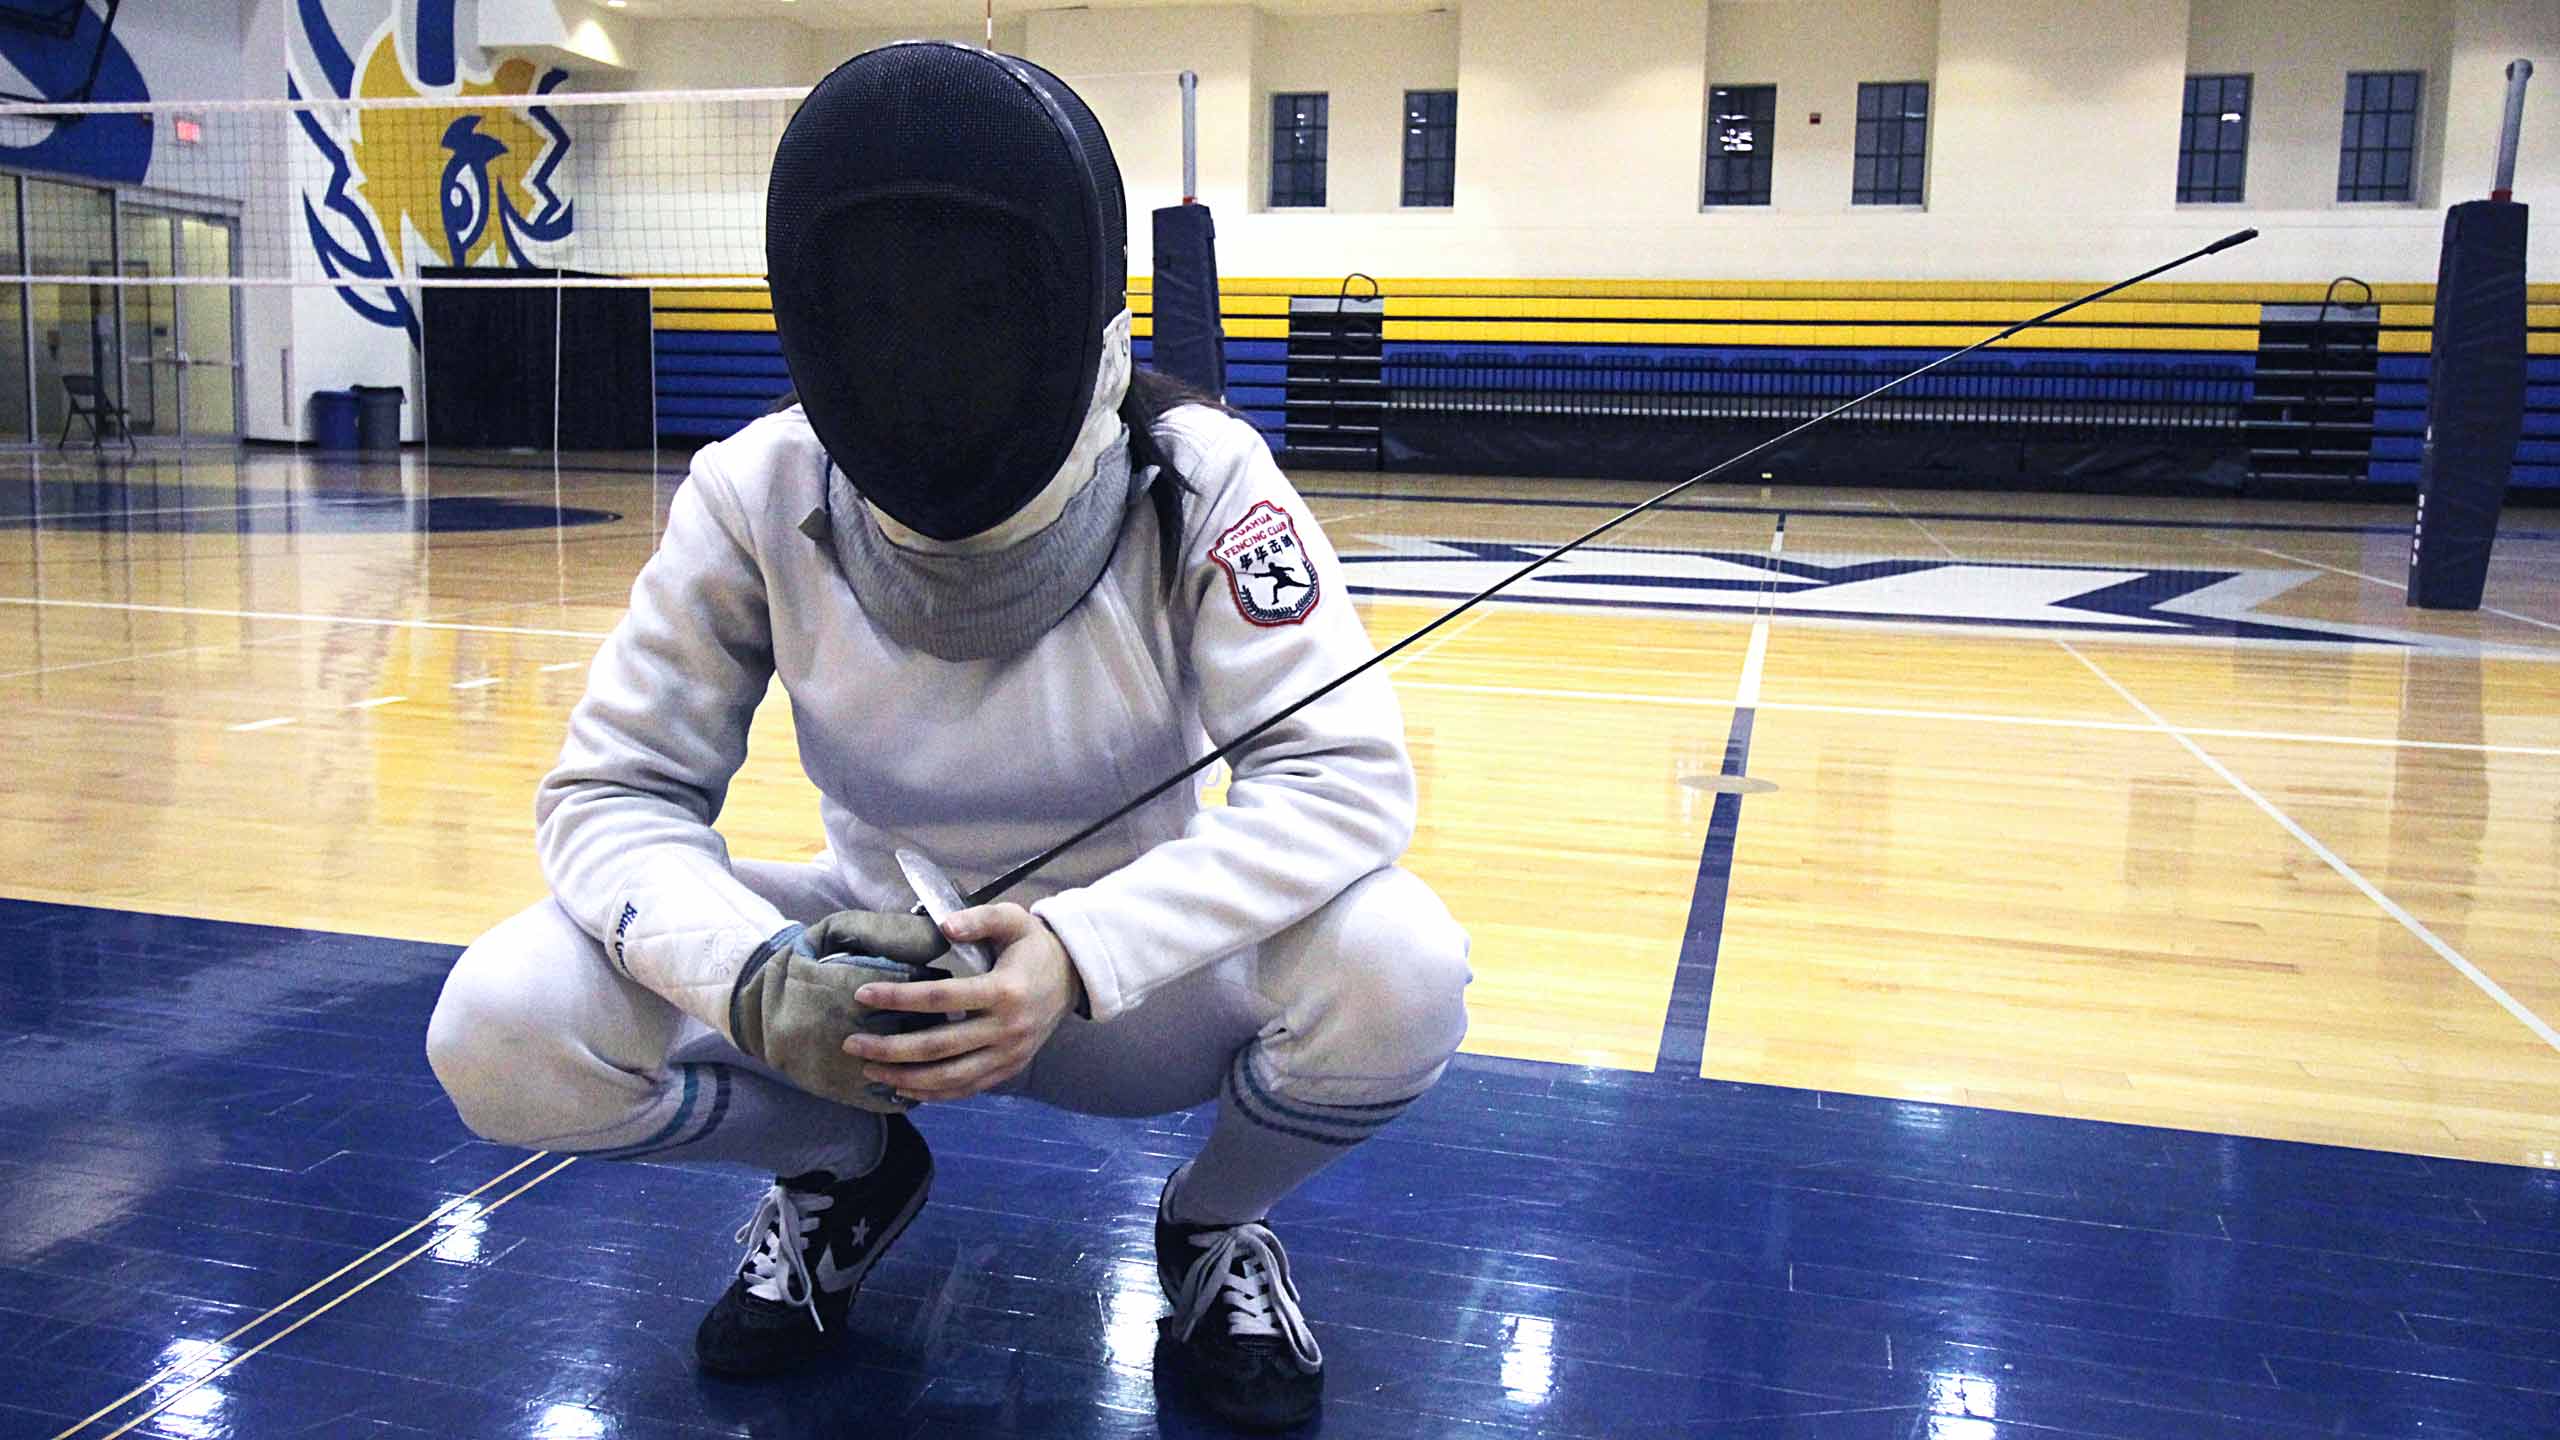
1930,535
377,702
2390,907
204,649
265,724
1445,636
483,683
115,660
304,617
2048,722
1746,690
2401,586
564,665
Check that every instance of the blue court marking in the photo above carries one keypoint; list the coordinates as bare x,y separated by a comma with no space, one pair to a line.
1990,517
201,1119
1693,980
2169,623
1693,976
110,506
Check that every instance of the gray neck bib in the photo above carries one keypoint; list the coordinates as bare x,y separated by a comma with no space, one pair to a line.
981,607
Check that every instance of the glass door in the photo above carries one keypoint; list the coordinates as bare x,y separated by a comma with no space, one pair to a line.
151,384
206,321
181,361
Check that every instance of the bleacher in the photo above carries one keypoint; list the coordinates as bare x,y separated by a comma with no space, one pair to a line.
2173,367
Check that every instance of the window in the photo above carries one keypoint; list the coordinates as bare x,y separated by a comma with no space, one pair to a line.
1297,149
2213,142
1742,128
2378,145
1430,147
1893,144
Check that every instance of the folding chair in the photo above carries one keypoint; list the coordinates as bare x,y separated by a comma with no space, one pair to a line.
91,404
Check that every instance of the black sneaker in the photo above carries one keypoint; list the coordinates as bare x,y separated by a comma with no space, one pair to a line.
1236,1324
808,1247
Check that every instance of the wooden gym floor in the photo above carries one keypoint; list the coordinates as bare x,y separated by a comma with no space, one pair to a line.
2163,813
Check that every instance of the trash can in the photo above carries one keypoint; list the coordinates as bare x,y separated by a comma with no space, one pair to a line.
333,419
378,416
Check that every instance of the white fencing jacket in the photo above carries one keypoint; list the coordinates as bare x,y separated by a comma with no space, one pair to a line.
982,763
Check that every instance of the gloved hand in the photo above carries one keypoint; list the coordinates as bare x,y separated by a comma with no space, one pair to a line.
793,1004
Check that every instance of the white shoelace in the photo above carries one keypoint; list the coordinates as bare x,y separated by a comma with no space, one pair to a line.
778,1262
1246,1265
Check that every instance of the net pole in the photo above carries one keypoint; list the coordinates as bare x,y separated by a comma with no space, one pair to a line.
2518,72
559,503
1190,136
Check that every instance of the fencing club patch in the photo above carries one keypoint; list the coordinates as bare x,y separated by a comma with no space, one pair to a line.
1268,571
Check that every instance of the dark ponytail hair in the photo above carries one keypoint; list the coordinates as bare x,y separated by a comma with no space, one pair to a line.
1151,397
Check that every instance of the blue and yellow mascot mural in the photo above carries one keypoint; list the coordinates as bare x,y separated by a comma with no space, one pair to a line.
439,185
90,64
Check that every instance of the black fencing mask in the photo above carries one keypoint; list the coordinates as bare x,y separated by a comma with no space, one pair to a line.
948,251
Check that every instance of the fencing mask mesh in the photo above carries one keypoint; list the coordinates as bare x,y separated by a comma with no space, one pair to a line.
947,244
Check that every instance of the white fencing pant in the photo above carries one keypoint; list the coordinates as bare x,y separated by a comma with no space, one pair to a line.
1311,1042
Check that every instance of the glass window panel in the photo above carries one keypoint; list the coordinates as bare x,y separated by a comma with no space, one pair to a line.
2395,173
2404,91
1297,149
14,419
2403,132
1741,133
1896,141
70,231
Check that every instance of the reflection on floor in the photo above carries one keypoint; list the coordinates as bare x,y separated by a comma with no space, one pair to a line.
222,1139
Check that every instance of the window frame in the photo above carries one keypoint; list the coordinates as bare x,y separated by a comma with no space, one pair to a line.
1858,153
1763,157
2188,151
1297,125
2349,116
1424,128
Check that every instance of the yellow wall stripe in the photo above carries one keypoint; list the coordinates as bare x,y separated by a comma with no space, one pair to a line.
1846,311
709,320
711,300
1946,336
1700,312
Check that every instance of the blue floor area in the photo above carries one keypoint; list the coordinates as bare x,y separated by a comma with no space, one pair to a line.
203,1120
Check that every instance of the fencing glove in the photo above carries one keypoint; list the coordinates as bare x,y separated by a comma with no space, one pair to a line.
793,1005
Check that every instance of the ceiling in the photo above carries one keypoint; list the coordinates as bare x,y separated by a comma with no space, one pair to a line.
961,12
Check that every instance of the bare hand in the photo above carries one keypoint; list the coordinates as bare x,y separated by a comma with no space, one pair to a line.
1010,1011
